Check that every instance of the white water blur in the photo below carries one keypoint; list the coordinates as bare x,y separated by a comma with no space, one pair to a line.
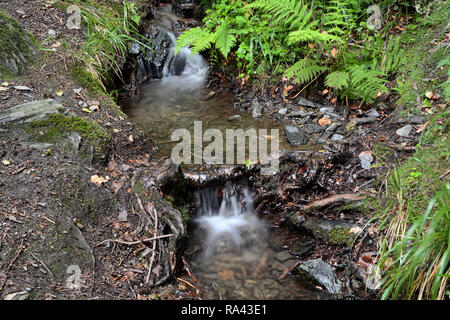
184,71
226,216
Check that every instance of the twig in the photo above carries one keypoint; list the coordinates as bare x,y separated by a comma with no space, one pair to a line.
134,242
46,268
19,251
197,291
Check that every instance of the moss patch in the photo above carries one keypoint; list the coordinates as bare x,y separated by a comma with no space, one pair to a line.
341,236
85,79
17,48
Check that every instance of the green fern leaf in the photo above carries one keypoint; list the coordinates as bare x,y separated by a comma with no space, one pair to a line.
337,79
190,38
225,38
305,70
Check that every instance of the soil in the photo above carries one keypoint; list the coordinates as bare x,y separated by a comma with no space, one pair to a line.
47,199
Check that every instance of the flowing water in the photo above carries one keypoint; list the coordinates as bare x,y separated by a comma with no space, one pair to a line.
233,253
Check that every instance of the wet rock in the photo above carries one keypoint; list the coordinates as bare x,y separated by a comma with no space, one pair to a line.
295,136
366,159
305,103
314,128
404,131
185,7
160,44
331,231
410,120
320,273
31,111
17,49
302,247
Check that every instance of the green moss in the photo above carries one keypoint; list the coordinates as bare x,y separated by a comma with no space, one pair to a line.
341,236
85,79
58,124
17,47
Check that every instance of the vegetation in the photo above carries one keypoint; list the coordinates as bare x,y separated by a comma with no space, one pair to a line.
416,220
305,41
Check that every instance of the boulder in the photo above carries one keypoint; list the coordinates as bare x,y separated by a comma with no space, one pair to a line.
17,49
31,111
295,136
319,273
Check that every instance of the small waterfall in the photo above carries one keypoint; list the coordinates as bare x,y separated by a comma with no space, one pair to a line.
184,70
227,218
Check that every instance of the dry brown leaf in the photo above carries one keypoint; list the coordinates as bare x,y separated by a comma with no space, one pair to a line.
324,121
99,180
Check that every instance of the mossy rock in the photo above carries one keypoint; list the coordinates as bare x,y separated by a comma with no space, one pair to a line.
17,48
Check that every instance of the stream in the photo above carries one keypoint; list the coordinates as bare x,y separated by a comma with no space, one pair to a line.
233,253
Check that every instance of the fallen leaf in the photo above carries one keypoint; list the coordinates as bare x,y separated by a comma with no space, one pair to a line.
334,52
86,110
59,93
6,162
324,121
116,130
56,44
429,94
3,88
99,180
355,230
130,138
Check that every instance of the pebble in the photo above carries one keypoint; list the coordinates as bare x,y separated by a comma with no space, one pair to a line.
366,159
337,137
404,131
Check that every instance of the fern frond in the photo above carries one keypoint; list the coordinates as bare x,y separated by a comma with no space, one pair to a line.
225,38
337,79
392,56
366,83
310,35
289,13
304,70
190,38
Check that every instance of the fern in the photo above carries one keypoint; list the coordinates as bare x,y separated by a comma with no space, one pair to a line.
392,56
311,36
365,83
196,37
289,13
224,38
305,70
337,79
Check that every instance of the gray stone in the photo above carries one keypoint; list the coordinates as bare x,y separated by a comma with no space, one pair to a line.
372,113
282,111
305,102
404,131
302,247
337,137
22,295
31,111
300,113
320,273
366,159
256,109
364,120
295,136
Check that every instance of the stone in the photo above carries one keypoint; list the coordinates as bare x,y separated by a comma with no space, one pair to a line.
305,103
364,120
300,113
366,159
22,295
295,136
372,113
302,247
282,111
320,273
31,111
331,231
235,117
17,49
185,7
404,131
256,109
337,137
